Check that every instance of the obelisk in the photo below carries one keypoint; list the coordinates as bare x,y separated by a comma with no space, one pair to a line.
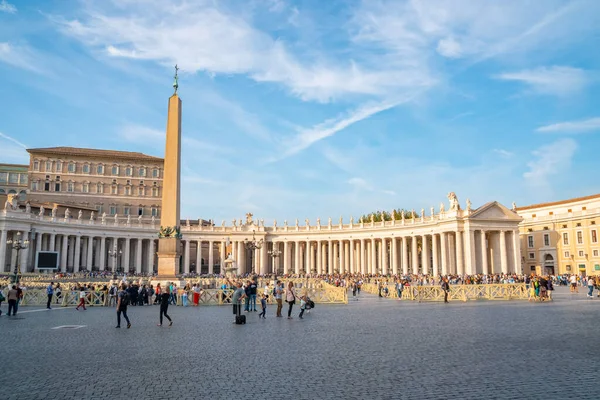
169,243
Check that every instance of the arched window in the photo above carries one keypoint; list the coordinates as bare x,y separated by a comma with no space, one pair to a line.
115,170
72,167
155,173
86,168
2,191
22,195
36,165
142,171
99,187
59,166
129,171
70,186
100,169
86,187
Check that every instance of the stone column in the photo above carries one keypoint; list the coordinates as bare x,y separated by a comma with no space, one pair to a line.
394,256
52,245
63,253
444,248
38,247
71,256
222,256
150,256
451,254
126,255
77,258
346,249
240,255
415,255
211,257
470,256
102,255
138,256
517,250
460,264
264,260
319,257
199,256
503,256
425,255
363,262
286,258
484,259
307,256
435,253
89,259
404,256
84,249
373,258
24,256
296,257
330,257
352,267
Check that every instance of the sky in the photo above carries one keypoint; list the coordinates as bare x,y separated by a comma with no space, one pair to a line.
316,109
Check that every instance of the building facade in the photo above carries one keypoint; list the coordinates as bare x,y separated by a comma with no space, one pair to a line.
112,182
561,237
14,180
453,241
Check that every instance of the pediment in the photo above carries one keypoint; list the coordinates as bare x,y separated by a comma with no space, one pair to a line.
495,211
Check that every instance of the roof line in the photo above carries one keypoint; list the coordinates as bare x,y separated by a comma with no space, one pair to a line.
559,202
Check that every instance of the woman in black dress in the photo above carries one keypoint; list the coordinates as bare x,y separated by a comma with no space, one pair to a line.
164,305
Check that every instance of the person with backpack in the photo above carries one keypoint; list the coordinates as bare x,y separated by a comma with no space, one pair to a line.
277,293
445,288
112,295
122,301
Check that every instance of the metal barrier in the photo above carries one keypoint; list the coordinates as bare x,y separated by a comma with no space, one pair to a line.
505,291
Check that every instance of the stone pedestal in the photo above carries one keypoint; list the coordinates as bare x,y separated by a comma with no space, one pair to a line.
169,251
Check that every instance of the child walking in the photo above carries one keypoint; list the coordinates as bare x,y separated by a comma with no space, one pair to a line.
302,306
263,304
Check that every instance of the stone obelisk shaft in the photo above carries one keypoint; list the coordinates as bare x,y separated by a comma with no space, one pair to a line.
169,249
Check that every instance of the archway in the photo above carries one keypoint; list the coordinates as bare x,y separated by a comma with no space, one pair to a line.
548,264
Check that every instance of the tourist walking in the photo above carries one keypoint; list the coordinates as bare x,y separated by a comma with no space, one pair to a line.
164,306
112,295
122,300
12,297
263,306
278,299
591,283
82,295
236,300
302,306
290,298
58,292
253,288
49,293
446,289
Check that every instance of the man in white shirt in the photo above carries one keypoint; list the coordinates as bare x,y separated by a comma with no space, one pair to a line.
591,283
573,281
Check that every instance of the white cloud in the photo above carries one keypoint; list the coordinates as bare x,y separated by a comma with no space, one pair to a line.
203,37
142,134
9,138
550,159
556,80
19,56
504,153
586,125
449,47
7,7
13,151
360,183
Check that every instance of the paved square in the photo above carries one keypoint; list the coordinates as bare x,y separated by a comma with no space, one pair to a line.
372,348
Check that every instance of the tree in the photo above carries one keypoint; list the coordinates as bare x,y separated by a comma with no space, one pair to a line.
396,214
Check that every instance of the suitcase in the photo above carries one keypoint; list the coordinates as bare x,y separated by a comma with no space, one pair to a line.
240,319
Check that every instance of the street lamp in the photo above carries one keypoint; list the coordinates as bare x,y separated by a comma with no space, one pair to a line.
253,245
17,245
114,253
274,253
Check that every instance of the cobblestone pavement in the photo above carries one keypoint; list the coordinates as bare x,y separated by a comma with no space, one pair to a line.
369,349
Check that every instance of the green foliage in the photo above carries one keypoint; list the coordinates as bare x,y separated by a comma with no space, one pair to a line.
396,214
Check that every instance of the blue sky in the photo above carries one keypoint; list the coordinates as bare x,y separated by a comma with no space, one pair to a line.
306,109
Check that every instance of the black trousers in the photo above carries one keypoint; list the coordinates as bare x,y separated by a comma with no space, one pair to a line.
124,311
291,305
12,306
49,301
445,296
163,311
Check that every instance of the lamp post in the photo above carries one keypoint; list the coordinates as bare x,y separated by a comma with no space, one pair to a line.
253,245
275,253
18,244
114,253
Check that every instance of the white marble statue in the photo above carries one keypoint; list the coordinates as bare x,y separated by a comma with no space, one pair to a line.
318,221
128,219
116,218
67,213
80,215
442,207
262,222
351,219
402,216
274,223
187,222
54,211
234,222
372,218
306,222
469,205
341,220
41,214
153,220
454,204
223,223
103,218
285,222
92,216
329,221
248,218
139,219
413,213
432,211
296,221
514,206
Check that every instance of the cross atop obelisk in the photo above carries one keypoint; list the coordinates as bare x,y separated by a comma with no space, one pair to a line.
169,244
